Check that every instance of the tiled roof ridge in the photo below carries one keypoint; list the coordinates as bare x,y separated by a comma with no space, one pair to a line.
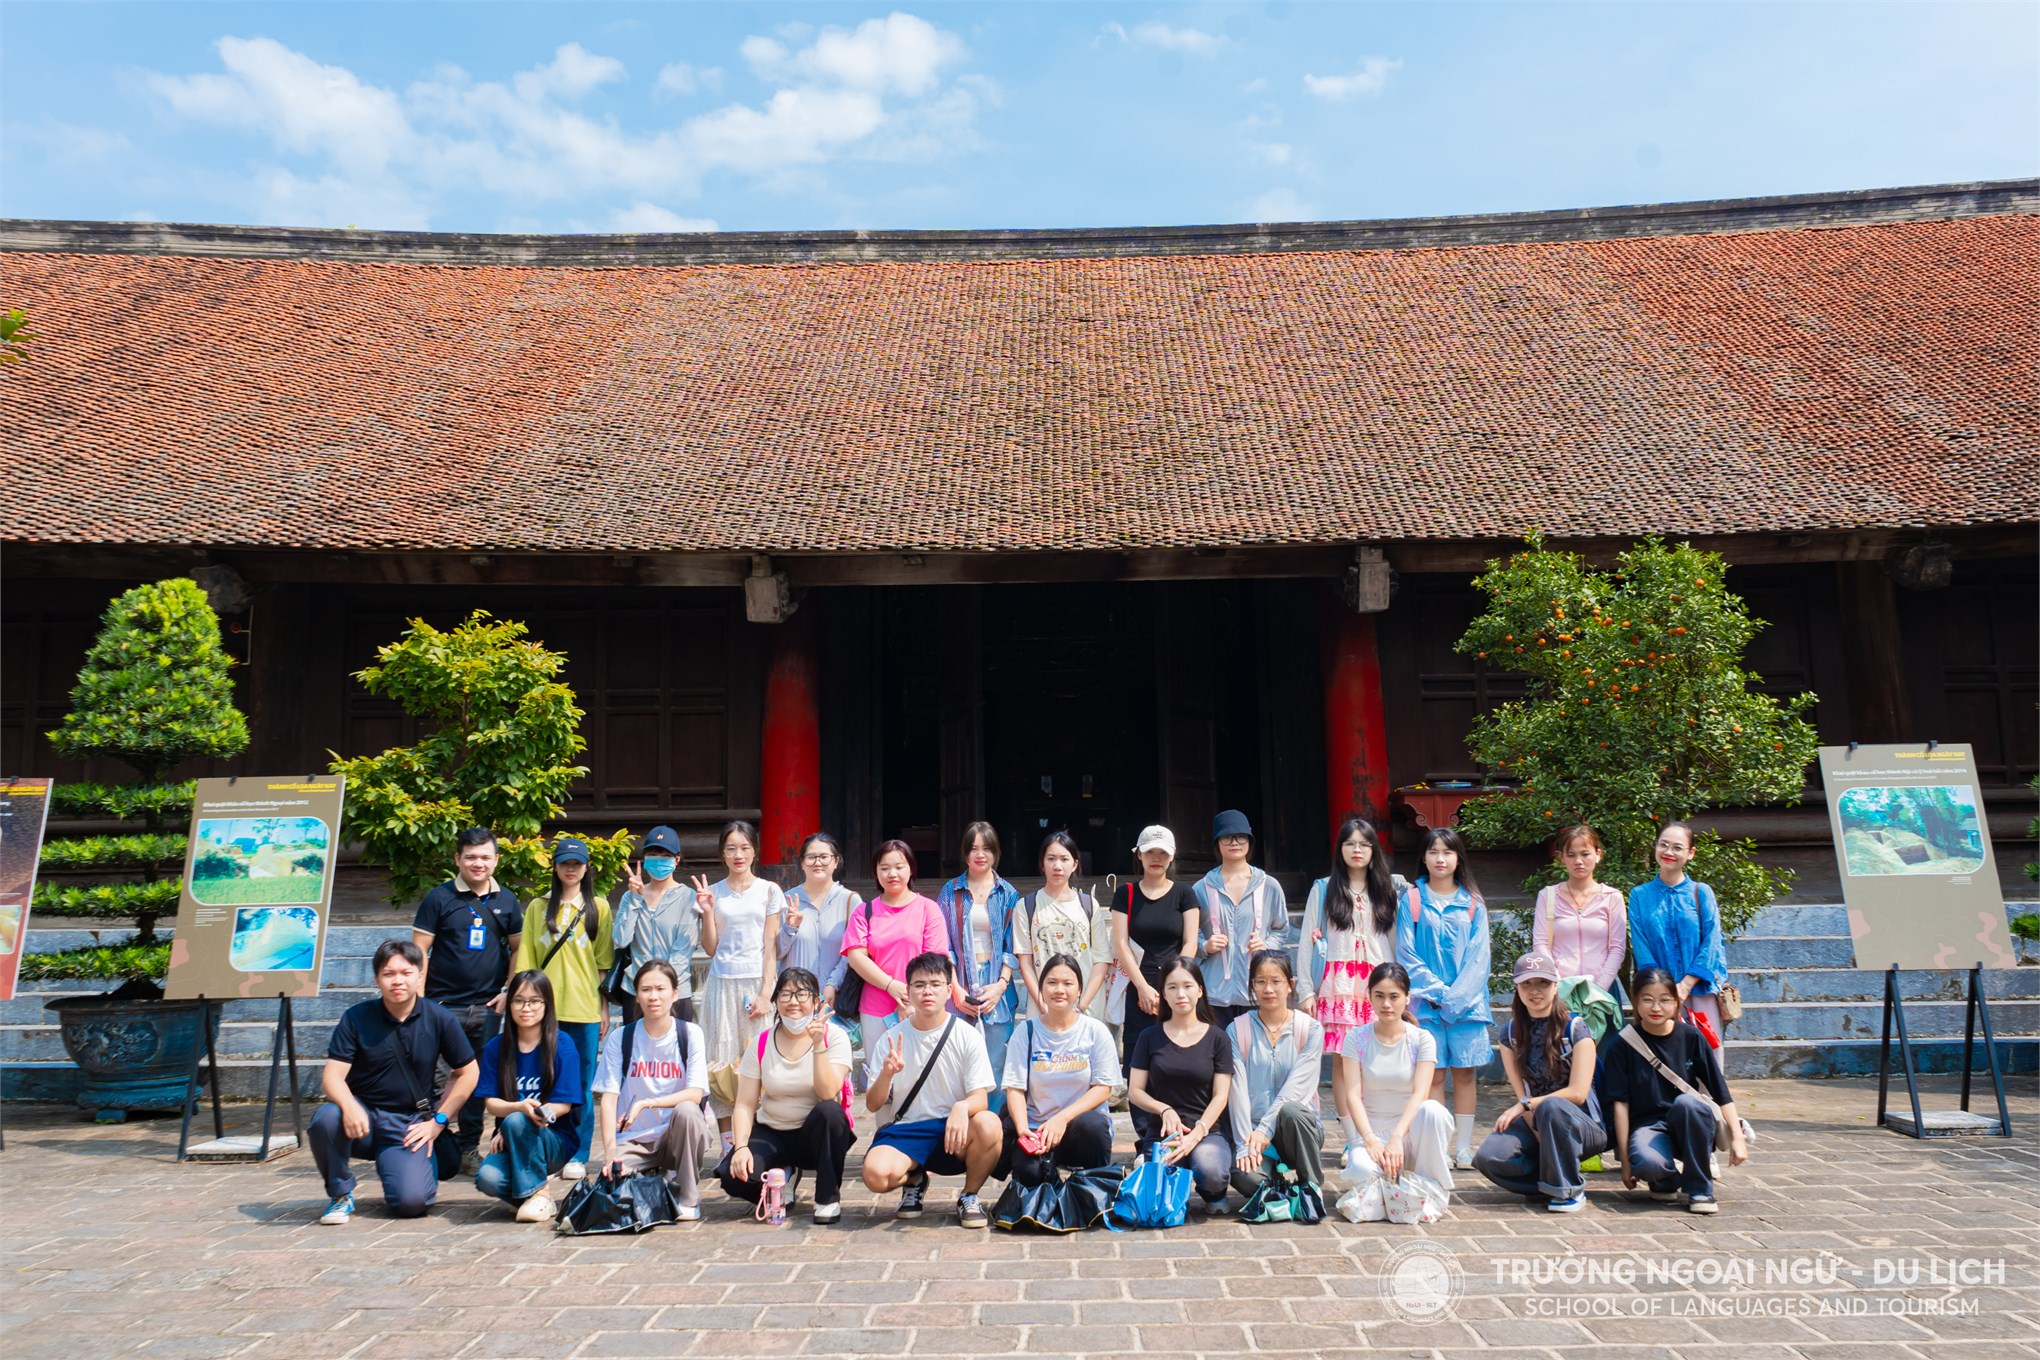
1776,213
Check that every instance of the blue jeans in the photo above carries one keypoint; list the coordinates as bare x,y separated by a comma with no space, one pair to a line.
587,1039
998,1034
531,1153
410,1181
1685,1137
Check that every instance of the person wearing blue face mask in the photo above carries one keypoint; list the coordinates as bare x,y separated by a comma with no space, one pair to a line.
658,917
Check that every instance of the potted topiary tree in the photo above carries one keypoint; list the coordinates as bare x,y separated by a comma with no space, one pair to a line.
154,692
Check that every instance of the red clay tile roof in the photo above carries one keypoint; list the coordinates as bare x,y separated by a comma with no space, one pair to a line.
1871,376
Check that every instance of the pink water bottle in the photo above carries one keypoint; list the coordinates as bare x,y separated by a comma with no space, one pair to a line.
772,1197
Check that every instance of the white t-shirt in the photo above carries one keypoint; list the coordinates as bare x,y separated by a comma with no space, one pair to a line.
1388,1071
656,1071
1056,1069
740,917
964,1067
787,1085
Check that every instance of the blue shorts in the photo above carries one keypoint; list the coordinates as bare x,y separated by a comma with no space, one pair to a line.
921,1140
1464,1044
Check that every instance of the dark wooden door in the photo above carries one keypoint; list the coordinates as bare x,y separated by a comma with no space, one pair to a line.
962,765
1187,710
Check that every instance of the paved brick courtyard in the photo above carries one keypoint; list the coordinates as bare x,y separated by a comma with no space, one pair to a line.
111,1248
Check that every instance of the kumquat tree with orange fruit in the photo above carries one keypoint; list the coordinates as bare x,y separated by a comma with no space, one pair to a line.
1638,710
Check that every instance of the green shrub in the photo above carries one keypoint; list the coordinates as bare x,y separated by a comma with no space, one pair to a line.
154,692
114,852
107,962
1638,711
111,900
504,731
2026,927
163,804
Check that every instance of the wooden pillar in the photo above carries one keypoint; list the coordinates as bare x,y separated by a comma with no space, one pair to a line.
1879,709
790,755
1356,729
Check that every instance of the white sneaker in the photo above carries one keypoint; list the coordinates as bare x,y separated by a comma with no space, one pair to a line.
573,1171
829,1213
537,1209
687,1213
1462,1159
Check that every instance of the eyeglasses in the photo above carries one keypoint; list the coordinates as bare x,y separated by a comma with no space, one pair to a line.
525,1003
798,996
817,859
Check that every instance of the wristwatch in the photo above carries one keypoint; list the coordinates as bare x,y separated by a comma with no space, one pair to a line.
1524,1102
439,1118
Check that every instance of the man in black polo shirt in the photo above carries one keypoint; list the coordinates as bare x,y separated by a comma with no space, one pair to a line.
468,929
378,1078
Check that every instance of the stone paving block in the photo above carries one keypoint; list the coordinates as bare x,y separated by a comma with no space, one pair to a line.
732,1345
960,1342
1080,1341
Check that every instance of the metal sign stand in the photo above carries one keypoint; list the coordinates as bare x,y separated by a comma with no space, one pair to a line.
242,1147
1941,1123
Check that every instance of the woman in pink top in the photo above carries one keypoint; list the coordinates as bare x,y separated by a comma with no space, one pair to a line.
889,931
1581,924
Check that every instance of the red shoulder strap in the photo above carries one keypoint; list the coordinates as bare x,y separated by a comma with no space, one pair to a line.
1416,903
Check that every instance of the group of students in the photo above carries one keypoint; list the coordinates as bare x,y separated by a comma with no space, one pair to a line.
1224,1015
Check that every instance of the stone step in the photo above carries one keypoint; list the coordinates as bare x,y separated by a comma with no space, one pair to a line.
1862,984
1792,951
1858,1057
243,1039
1811,1021
58,1082
1799,918
27,1006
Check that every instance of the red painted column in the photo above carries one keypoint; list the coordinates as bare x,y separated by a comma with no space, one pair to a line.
1356,728
790,758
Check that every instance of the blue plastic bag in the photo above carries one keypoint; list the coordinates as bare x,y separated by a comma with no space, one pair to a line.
1153,1195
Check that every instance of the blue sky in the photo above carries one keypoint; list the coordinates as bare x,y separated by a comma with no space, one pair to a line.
765,117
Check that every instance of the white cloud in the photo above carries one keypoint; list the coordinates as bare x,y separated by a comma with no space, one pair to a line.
67,144
1254,86
303,106
1190,41
681,78
1270,153
899,52
572,72
1280,205
646,217
377,157
1369,79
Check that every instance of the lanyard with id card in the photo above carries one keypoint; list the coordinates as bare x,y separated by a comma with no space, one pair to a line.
478,936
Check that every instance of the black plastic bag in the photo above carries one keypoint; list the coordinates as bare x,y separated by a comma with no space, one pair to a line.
617,1202
1278,1199
1058,1205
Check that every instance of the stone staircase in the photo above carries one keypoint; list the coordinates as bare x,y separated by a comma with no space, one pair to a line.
1808,1010
34,1067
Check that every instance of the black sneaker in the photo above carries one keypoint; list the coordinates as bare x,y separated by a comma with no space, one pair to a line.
912,1196
970,1213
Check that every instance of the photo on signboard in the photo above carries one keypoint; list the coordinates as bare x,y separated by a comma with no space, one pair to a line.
1919,829
275,939
260,861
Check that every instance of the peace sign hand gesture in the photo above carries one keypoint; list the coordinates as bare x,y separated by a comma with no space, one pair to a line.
895,1059
633,881
704,900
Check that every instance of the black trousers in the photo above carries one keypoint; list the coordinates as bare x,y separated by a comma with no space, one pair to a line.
480,1024
1086,1143
819,1145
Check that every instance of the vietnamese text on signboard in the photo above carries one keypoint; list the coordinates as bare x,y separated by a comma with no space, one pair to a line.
258,883
1917,870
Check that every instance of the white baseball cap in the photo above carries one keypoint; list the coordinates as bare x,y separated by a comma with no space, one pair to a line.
1155,838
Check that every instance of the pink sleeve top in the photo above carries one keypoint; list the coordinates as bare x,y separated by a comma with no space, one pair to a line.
895,936
1590,940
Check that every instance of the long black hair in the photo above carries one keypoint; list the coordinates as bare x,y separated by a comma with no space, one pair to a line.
1340,908
554,905
1556,1066
1179,964
548,1038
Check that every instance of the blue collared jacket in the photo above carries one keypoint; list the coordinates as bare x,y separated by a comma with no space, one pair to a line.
1446,951
1264,907
954,899
1678,929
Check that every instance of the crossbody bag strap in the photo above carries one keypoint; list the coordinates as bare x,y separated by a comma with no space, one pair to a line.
402,1056
1636,1042
565,935
927,1070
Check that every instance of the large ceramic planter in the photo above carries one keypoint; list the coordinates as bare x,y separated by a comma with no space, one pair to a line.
135,1055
